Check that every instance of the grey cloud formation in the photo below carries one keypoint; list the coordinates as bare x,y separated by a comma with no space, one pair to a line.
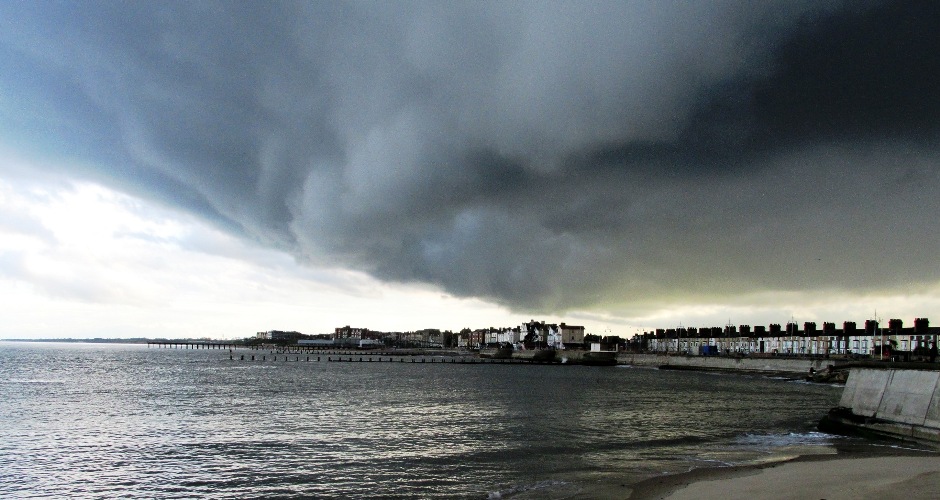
545,155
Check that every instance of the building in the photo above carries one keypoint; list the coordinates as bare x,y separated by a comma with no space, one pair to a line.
561,336
539,334
572,335
346,332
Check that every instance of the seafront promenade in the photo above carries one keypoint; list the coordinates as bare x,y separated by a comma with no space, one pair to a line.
768,364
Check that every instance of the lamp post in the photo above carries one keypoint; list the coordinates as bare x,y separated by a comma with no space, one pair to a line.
881,332
679,338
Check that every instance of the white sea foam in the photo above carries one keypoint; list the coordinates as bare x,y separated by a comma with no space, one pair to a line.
542,489
35,381
789,439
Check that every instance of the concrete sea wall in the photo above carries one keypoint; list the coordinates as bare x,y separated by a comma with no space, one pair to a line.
902,404
755,364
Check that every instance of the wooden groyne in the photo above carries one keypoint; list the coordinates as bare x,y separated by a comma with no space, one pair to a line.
466,360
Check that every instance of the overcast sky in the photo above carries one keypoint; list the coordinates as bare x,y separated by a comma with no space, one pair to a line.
202,168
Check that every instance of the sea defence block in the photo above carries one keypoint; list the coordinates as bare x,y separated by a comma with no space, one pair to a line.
892,403
907,396
864,391
932,419
896,395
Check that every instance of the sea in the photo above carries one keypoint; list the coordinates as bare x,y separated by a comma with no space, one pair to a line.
80,420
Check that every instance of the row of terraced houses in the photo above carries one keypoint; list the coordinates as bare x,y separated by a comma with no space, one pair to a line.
792,340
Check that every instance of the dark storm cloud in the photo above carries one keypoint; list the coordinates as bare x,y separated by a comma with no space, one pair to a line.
545,155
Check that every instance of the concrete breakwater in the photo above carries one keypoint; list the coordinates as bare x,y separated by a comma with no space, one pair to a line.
889,403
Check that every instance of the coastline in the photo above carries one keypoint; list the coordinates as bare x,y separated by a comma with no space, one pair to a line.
864,471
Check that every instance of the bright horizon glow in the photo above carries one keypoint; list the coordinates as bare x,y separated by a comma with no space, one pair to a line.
84,261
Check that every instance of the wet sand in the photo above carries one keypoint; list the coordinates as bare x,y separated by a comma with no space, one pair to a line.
887,474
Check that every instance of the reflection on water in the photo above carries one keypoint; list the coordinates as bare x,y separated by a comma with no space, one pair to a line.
81,420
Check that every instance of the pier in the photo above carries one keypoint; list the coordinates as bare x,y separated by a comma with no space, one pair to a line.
176,344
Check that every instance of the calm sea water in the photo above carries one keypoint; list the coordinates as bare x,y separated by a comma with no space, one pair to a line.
92,421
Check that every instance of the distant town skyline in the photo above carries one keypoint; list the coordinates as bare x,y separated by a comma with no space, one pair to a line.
218,169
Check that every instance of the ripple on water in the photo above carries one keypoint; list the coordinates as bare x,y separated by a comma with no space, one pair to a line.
83,422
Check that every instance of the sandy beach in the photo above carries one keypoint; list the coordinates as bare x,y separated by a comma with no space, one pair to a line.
903,475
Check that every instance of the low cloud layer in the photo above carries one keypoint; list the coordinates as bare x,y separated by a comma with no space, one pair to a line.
547,156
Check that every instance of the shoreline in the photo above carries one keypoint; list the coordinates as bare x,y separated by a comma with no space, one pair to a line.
863,471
